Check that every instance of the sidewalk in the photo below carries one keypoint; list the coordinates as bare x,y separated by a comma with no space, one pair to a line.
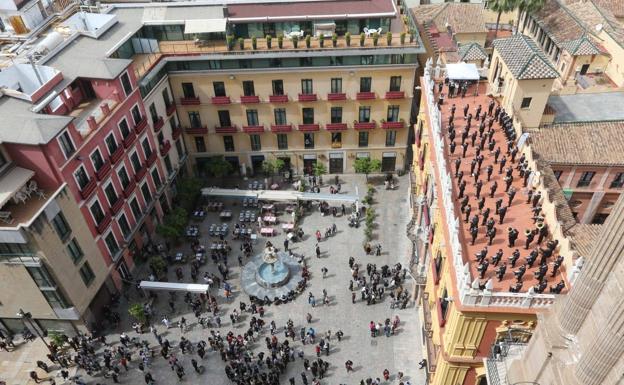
16,365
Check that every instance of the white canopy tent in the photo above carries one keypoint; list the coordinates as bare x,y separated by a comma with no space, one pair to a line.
173,286
204,26
277,195
462,71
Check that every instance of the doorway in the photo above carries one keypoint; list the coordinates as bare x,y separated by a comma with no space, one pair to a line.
388,163
233,160
584,69
308,165
256,163
336,163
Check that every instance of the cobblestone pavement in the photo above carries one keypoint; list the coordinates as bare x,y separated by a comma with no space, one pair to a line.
371,356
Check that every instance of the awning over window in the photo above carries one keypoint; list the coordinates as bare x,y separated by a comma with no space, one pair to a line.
204,26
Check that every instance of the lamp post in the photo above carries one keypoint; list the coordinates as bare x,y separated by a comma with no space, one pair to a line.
27,318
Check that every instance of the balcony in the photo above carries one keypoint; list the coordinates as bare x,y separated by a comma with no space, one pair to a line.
129,189
176,132
151,158
392,125
334,96
117,154
281,128
225,129
88,189
365,96
170,109
128,140
117,205
164,148
432,348
197,130
365,125
140,174
307,97
309,127
158,124
278,98
103,171
253,129
140,126
395,95
103,225
336,126
251,99
191,101
220,100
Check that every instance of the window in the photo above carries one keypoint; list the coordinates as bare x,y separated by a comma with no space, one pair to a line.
306,86
153,113
55,299
168,165
278,87
75,251
180,149
96,212
123,177
557,174
147,195
15,248
124,128
194,119
586,179
147,149
390,138
248,88
336,139
61,226
200,144
336,85
308,115
67,145
393,114
125,82
136,115
81,177
252,117
618,181
111,243
336,114
219,88
526,102
156,178
136,209
96,159
136,163
255,142
364,115
111,194
363,139
228,143
308,140
282,141
86,274
599,218
166,97
224,118
42,277
124,226
395,83
365,84
280,116
111,144
188,90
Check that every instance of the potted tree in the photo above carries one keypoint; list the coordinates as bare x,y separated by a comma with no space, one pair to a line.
241,43
362,39
272,167
229,41
137,312
295,41
348,39
254,43
402,36
280,41
319,170
308,40
375,39
389,38
322,40
268,41
335,39
366,166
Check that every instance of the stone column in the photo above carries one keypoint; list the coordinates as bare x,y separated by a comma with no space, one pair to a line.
605,254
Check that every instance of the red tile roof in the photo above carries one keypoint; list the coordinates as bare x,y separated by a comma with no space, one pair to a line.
301,9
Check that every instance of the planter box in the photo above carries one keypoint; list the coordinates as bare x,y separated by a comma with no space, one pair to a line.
117,205
88,189
118,154
189,101
392,125
307,97
250,99
164,149
128,140
278,98
176,132
152,158
159,124
141,126
225,129
140,174
336,96
365,96
221,100
364,125
281,127
253,129
102,226
171,109
129,189
309,127
336,126
395,95
103,171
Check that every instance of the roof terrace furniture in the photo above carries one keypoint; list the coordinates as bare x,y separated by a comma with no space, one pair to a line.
12,182
5,216
371,31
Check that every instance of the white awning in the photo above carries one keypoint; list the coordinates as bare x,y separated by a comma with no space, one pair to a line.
12,182
204,26
172,286
462,71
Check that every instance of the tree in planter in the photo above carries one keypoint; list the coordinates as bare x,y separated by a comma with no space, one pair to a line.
375,39
389,38
254,43
308,41
280,41
335,39
295,41
57,339
172,227
367,166
362,39
402,36
241,43
412,35
158,265
322,40
348,39
138,312
272,166
219,167
268,41
229,41
188,192
319,170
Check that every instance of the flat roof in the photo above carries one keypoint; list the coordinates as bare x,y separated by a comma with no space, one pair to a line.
21,125
314,9
588,107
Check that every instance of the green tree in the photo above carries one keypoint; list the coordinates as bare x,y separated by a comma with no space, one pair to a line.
138,312
527,7
219,167
173,224
319,169
272,166
500,7
158,265
188,190
367,166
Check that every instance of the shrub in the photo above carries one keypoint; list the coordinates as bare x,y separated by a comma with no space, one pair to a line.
138,312
362,39
402,36
334,40
295,41
268,41
241,43
254,43
229,41
308,41
375,39
322,40
389,38
348,39
280,41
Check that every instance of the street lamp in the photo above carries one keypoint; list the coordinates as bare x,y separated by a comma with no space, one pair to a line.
27,317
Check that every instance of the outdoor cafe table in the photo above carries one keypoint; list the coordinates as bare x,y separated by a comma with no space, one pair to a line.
270,219
288,226
267,231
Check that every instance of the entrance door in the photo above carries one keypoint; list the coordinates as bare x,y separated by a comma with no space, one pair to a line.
584,69
286,161
336,164
256,163
388,163
308,164
235,164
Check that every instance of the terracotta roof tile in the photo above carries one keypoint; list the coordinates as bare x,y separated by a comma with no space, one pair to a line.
583,237
563,212
616,7
588,143
593,13
461,17
559,22
472,51
524,58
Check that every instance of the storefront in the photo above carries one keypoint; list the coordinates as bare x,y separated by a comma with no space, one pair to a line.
336,162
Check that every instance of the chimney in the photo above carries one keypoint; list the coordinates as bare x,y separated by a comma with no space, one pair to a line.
105,108
92,123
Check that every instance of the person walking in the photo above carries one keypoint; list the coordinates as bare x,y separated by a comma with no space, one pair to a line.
349,366
285,244
324,271
318,251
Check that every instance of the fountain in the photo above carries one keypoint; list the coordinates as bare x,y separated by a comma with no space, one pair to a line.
272,274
